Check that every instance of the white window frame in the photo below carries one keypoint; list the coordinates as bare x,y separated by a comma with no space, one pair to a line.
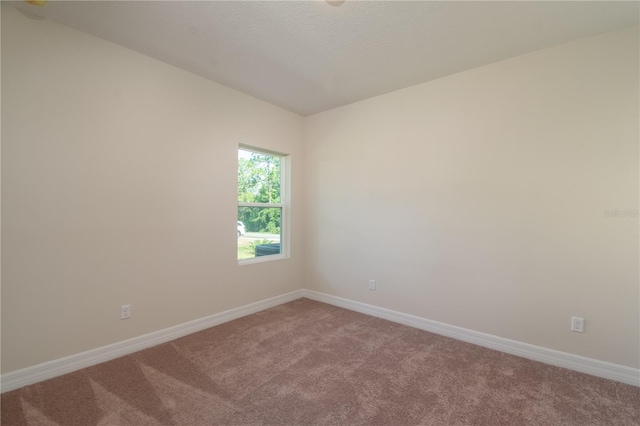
283,205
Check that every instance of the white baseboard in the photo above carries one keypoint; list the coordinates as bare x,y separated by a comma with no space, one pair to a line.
582,364
37,373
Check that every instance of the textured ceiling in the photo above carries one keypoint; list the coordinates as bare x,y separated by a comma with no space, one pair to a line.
309,56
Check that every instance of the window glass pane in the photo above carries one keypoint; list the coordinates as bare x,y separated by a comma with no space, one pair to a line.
258,177
259,231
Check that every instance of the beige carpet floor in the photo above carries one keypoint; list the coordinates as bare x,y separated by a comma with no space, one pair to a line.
307,363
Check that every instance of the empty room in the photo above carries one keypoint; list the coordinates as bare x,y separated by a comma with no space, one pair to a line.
436,206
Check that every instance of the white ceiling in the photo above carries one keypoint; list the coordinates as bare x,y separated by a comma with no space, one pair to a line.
309,56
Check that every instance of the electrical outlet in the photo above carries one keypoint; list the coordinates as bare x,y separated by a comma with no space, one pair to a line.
125,312
577,324
372,284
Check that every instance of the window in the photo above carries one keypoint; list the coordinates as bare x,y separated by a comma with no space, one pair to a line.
261,205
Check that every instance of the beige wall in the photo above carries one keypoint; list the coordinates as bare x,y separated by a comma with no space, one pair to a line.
119,186
478,199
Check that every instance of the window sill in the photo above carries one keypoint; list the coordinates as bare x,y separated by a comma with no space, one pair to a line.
262,259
